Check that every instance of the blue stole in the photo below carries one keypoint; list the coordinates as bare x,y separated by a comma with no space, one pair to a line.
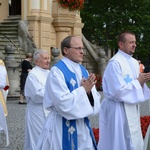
69,136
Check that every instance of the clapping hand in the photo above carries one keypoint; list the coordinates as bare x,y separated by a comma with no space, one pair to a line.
144,77
89,83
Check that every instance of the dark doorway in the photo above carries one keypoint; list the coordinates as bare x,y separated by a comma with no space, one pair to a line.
15,7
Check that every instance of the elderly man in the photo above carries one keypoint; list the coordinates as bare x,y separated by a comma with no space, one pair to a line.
71,96
34,92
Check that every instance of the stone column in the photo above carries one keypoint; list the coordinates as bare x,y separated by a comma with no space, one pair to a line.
61,33
65,22
39,18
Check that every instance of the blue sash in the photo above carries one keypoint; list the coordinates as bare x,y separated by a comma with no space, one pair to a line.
69,137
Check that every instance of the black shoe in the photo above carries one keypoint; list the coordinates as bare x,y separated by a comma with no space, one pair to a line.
22,103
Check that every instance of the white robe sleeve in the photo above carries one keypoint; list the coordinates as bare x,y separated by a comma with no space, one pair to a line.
2,77
33,89
117,89
71,105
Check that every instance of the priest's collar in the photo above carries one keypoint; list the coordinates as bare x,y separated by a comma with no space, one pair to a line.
68,61
125,54
42,69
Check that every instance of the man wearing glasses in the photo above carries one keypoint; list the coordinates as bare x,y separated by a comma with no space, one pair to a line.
71,97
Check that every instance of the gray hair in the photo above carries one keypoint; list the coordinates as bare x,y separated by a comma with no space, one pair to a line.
37,54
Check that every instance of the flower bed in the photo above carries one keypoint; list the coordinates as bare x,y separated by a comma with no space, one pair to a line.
99,82
72,4
145,121
96,134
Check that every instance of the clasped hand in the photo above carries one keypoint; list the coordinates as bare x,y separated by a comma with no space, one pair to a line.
144,77
89,83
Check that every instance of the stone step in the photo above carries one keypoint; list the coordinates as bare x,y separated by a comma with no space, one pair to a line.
8,36
3,29
13,17
2,40
9,33
8,25
17,54
10,22
3,44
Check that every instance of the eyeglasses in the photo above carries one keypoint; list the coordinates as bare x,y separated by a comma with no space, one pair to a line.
78,48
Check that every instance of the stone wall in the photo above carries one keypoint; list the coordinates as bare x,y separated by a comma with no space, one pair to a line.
89,63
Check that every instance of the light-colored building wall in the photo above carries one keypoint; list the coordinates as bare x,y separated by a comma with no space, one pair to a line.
48,24
4,9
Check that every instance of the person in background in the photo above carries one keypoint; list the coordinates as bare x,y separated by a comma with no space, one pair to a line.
124,88
4,86
142,67
71,97
25,69
34,92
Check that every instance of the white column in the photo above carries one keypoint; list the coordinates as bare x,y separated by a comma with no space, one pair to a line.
35,4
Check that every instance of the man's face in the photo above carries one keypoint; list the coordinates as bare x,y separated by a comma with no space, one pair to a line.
75,52
43,61
129,45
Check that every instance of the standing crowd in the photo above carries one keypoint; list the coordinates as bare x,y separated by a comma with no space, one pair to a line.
60,100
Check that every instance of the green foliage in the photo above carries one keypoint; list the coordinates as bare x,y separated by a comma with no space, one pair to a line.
104,20
148,84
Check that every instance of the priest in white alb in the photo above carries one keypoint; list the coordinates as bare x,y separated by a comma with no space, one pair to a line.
34,92
124,88
71,97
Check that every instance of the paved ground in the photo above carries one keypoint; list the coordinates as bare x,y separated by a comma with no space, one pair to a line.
15,121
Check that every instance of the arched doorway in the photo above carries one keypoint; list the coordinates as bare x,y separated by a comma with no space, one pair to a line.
14,7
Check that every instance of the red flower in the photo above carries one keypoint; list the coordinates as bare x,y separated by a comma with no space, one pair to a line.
72,4
96,134
99,82
6,87
145,122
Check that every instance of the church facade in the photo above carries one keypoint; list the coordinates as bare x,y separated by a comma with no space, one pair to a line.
48,23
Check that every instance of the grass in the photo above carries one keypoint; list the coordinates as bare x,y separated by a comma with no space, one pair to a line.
148,84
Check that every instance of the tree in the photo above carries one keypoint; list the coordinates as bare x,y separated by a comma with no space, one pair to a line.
104,19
